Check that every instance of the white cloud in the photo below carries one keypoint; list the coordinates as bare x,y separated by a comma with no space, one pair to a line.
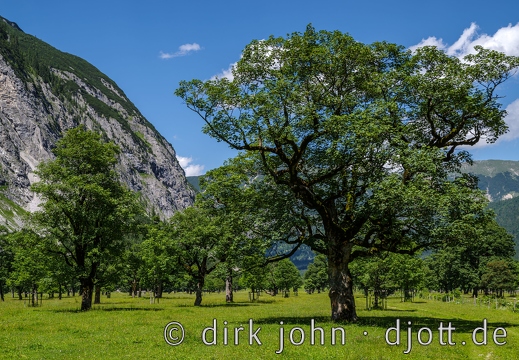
183,50
226,73
430,41
194,170
189,47
190,169
506,40
184,161
462,46
512,120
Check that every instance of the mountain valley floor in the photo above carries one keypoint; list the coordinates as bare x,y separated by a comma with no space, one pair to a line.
125,327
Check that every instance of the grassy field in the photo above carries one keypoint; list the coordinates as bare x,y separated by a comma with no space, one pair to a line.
123,327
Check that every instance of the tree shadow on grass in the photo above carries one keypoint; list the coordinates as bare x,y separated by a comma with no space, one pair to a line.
217,305
460,325
393,310
292,320
130,309
387,321
108,309
225,305
231,305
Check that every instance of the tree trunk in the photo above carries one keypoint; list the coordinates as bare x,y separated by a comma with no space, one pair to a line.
199,287
60,292
375,302
97,298
133,291
341,283
87,286
34,296
407,294
228,289
20,294
2,291
159,290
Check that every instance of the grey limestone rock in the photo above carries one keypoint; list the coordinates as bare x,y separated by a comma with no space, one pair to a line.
33,116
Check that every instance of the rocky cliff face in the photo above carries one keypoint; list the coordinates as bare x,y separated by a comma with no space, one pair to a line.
44,92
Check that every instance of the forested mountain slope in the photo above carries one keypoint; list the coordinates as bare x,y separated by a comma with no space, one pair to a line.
500,180
44,92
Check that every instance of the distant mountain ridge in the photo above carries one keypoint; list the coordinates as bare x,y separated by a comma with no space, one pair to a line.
498,178
44,92
194,181
493,167
507,215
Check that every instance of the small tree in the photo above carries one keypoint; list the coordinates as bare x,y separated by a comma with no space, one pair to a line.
462,265
30,263
500,275
254,274
86,211
374,274
6,259
316,276
283,275
157,258
200,242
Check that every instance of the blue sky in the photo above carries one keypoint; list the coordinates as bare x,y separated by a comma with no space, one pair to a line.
148,47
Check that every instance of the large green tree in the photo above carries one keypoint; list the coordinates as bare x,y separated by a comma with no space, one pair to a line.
157,257
85,211
361,136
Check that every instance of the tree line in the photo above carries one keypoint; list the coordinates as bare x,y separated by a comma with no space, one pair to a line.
352,149
93,234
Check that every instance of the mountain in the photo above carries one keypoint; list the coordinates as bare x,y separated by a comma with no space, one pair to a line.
507,215
194,181
498,178
44,92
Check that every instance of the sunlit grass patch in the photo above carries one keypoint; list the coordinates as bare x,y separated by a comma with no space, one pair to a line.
125,327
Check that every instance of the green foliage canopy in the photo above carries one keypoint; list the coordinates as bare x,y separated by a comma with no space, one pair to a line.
86,211
359,137
316,276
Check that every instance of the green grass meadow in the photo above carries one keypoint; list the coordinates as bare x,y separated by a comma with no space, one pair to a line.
124,327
